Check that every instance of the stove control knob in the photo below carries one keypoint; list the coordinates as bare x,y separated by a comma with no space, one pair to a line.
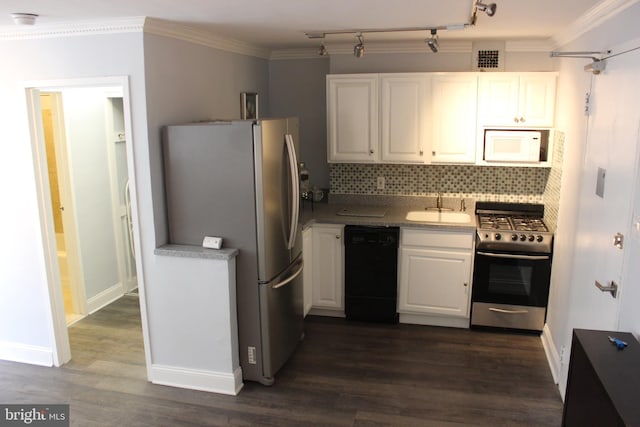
523,237
539,238
514,237
498,236
531,237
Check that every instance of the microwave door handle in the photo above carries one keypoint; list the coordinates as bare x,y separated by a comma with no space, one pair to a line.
509,256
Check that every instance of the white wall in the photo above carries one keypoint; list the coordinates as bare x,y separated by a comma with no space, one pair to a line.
24,299
568,308
188,305
86,135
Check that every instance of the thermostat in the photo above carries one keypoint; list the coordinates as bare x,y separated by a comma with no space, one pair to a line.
212,242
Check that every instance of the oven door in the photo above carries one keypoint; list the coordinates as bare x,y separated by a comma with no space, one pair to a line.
514,279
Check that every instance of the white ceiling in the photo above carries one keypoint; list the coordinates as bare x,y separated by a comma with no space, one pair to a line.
281,24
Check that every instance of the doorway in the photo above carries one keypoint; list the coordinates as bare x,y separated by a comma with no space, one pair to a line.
82,148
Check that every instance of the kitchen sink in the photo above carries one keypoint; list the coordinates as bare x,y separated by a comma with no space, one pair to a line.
439,216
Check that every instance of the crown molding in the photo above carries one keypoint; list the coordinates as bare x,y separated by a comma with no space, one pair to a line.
164,28
591,19
305,53
71,29
532,45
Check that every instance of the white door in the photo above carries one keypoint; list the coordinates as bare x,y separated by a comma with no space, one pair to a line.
403,115
611,153
352,116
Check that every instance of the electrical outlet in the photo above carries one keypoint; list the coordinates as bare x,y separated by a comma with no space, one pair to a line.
252,355
563,350
380,183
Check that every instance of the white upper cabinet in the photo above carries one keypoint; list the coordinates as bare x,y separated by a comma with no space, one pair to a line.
404,117
352,116
517,100
453,106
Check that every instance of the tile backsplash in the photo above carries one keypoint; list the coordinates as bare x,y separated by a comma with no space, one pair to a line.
482,183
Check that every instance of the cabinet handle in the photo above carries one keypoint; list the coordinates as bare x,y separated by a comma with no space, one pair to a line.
433,153
338,237
466,284
371,151
515,119
421,152
522,120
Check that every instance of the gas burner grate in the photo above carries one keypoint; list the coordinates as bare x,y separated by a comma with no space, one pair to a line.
494,222
523,223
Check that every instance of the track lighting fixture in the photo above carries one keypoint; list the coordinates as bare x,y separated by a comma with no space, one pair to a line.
323,50
358,50
489,9
432,42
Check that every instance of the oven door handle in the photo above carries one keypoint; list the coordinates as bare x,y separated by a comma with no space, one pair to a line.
509,256
502,310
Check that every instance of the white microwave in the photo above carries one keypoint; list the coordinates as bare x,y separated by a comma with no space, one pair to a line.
512,146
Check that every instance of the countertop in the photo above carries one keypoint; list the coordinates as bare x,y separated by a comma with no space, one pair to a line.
396,209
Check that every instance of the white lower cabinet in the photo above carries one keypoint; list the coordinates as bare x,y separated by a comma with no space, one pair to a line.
435,277
327,269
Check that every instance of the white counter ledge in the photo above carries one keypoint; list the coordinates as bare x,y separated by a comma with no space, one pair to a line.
189,251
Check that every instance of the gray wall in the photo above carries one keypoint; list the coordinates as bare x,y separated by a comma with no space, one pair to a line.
298,88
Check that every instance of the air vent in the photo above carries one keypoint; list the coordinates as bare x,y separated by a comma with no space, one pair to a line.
488,59
488,56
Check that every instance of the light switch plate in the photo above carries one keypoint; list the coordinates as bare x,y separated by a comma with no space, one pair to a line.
212,242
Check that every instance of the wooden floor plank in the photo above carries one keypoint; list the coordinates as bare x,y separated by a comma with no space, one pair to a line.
343,374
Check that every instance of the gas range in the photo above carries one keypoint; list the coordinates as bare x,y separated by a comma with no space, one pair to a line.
512,227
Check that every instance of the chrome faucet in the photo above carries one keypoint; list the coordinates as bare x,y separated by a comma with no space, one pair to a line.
439,201
463,206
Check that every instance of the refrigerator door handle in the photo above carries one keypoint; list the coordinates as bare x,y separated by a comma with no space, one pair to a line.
295,190
290,278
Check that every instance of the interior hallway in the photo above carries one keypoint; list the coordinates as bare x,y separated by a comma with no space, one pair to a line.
344,374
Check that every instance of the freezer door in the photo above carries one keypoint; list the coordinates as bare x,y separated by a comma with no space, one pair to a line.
276,197
281,313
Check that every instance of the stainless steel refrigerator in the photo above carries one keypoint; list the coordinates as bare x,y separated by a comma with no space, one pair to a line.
239,180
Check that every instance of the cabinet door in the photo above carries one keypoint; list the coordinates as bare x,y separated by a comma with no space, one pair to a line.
307,273
434,282
352,115
537,99
328,270
453,115
404,106
498,98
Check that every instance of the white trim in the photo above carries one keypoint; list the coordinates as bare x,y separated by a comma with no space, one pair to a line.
23,353
306,53
550,350
61,350
163,28
104,298
69,29
533,45
601,12
196,379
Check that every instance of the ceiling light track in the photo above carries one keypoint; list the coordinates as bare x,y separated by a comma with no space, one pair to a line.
432,42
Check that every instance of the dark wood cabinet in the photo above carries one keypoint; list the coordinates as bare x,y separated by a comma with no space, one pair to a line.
604,381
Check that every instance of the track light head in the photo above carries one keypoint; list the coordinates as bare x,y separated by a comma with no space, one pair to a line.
432,41
358,50
323,50
489,9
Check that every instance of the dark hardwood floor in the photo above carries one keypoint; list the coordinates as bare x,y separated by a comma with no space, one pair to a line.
343,374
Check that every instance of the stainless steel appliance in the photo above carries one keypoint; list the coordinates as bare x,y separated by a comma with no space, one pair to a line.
239,180
512,266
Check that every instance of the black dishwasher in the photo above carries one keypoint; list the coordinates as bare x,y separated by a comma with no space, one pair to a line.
370,273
